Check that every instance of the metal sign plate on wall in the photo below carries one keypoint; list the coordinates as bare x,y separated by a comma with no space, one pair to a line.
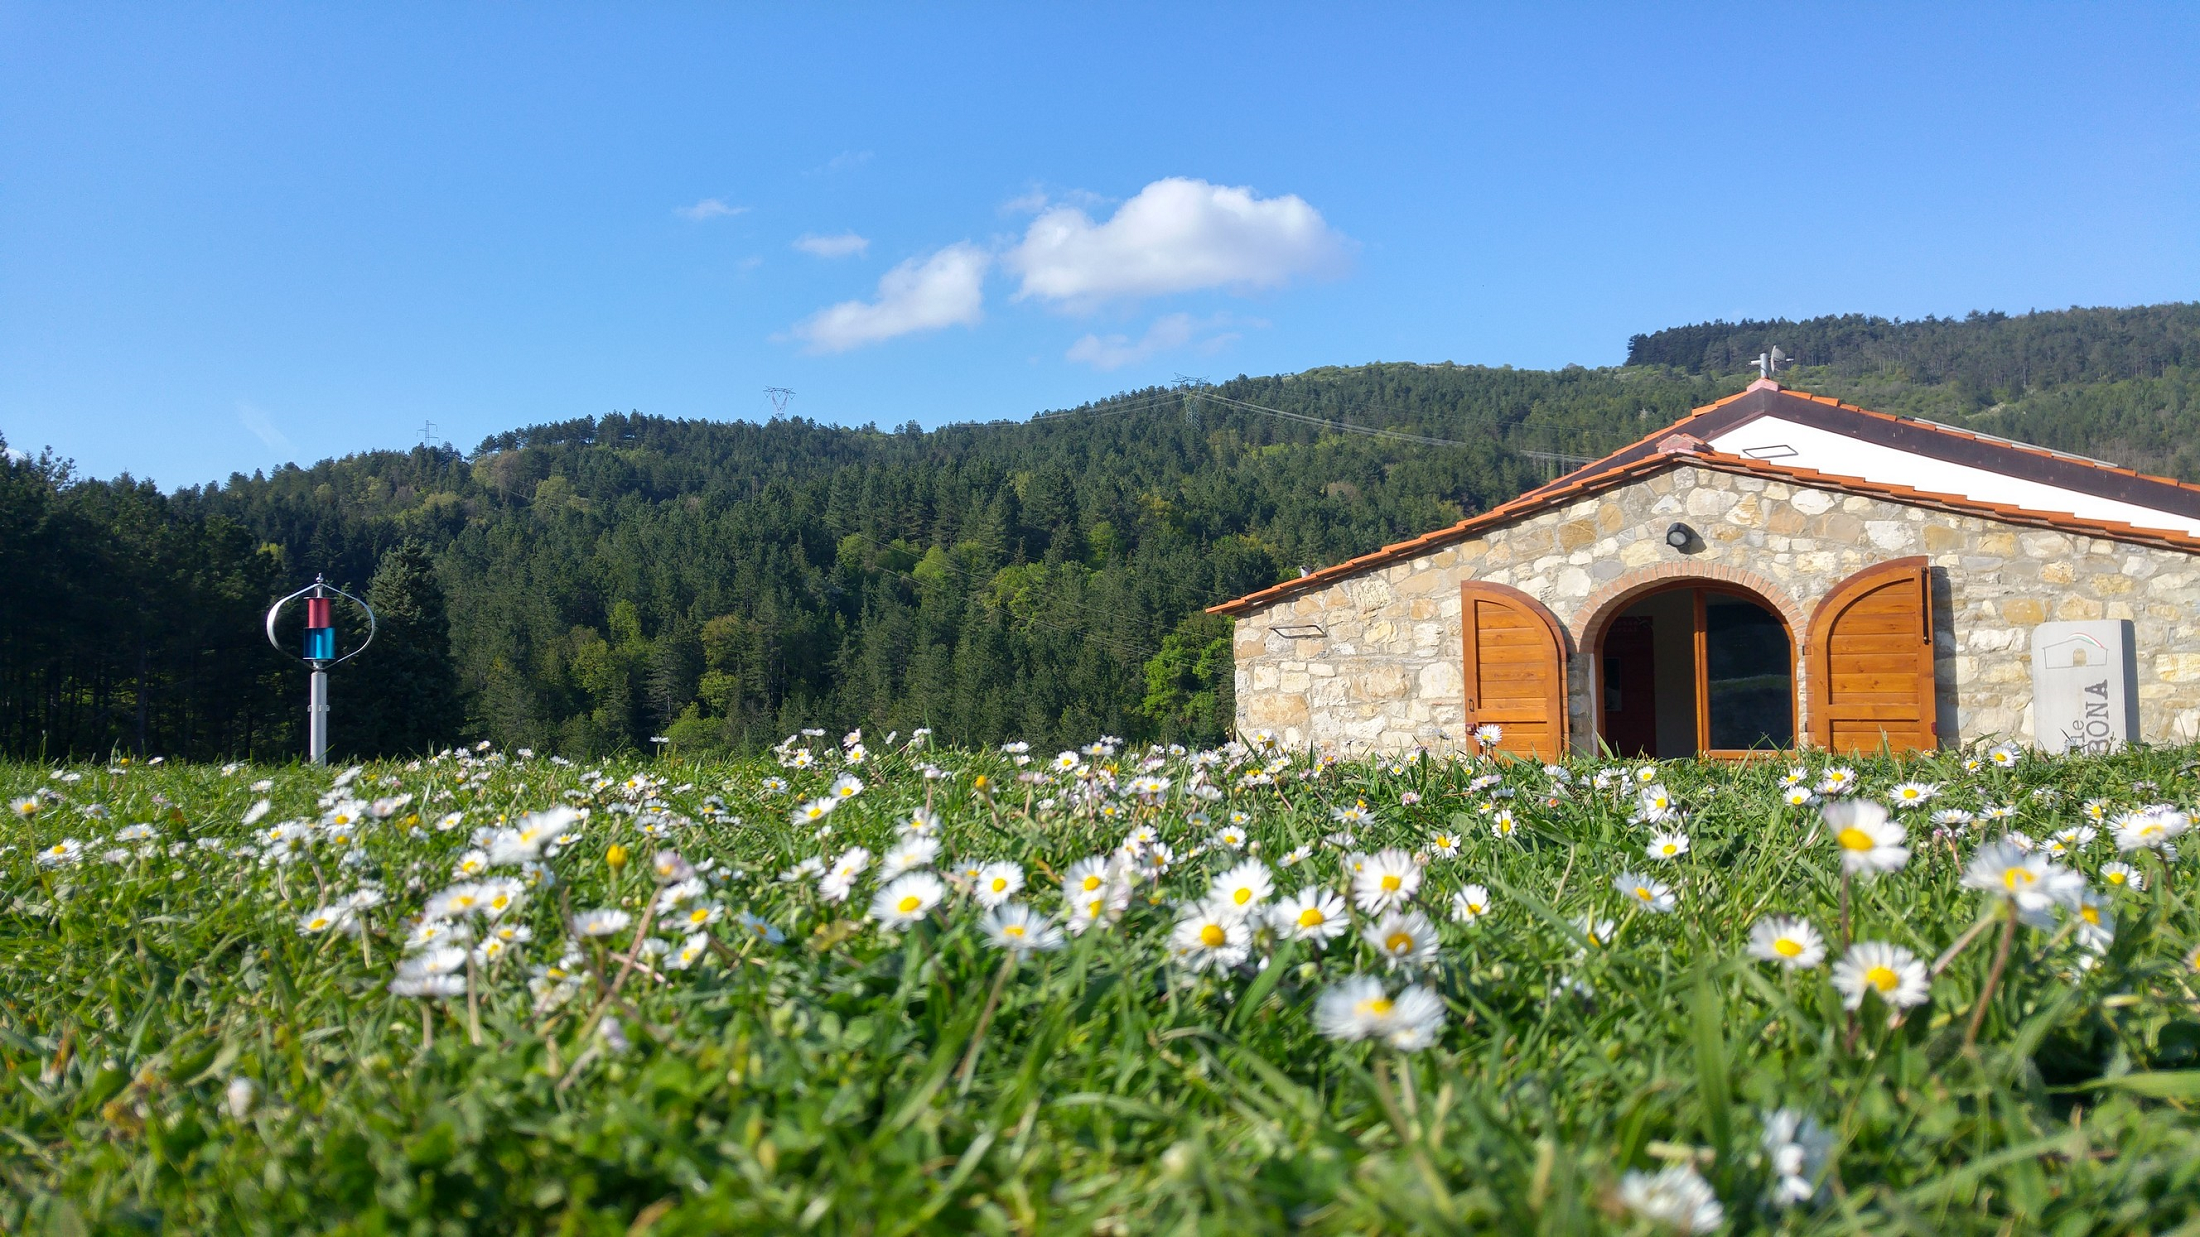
2082,686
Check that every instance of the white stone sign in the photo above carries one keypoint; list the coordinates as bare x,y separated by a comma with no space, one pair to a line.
2081,673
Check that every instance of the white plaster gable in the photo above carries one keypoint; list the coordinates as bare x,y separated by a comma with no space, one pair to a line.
1780,441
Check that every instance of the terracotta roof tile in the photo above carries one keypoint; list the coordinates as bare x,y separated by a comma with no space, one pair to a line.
1556,494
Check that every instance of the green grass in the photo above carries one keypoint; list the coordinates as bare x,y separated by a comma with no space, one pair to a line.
855,1080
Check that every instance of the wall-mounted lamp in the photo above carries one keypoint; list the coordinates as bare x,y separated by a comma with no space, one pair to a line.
1680,536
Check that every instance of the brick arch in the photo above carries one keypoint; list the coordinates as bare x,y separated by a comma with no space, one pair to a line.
1596,613
1601,607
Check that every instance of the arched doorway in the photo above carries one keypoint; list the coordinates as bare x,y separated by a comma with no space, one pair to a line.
1696,669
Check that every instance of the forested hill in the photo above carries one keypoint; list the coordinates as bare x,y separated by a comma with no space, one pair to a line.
596,584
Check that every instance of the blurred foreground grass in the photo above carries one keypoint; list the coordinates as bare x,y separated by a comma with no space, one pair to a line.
200,1032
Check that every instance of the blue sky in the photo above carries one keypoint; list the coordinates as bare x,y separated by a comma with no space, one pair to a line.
234,235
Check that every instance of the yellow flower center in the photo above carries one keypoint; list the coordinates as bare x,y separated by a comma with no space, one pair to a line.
1788,947
1014,929
1398,942
1091,883
909,905
2018,878
1855,839
1212,936
1312,917
1643,892
1000,884
2115,878
1670,849
1379,1007
1243,895
1474,908
2090,914
1882,978
1390,883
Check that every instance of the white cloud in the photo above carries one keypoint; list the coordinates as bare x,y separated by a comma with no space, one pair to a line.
708,208
922,294
846,160
15,456
846,244
1168,333
263,428
1177,235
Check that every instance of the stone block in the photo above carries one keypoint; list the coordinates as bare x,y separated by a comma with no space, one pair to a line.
2075,607
1893,536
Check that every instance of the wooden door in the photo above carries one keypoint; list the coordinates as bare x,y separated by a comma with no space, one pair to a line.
1871,662
1515,669
1629,683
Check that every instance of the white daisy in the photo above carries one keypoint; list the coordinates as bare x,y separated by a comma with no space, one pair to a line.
601,922
1796,1149
1671,844
1791,942
1403,939
2031,880
907,855
1869,841
1243,888
1673,1199
997,882
1360,1008
1470,904
1312,914
1648,893
2121,875
906,899
1386,879
690,952
1913,794
1210,936
2096,922
2149,828
1889,970
1017,928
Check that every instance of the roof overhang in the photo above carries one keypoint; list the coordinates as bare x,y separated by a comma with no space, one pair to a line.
1680,446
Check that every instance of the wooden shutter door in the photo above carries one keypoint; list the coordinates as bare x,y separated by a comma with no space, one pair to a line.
1871,662
1515,670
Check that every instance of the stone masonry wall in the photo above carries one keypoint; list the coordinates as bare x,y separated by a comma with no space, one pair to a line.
1387,675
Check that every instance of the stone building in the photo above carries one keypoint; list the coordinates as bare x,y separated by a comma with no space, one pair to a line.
1774,570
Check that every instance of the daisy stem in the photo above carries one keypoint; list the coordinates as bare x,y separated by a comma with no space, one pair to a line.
473,1003
985,1019
626,967
1845,879
1435,1184
1993,976
1941,963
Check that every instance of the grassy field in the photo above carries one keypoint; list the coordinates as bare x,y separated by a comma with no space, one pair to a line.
491,992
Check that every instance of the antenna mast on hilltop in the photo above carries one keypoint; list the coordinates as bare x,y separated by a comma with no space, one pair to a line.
427,434
779,397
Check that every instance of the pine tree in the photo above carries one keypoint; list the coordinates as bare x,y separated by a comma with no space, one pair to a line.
405,694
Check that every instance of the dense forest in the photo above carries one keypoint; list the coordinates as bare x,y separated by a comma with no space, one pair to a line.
607,583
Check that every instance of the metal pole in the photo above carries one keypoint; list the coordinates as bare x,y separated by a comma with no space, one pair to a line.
317,717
